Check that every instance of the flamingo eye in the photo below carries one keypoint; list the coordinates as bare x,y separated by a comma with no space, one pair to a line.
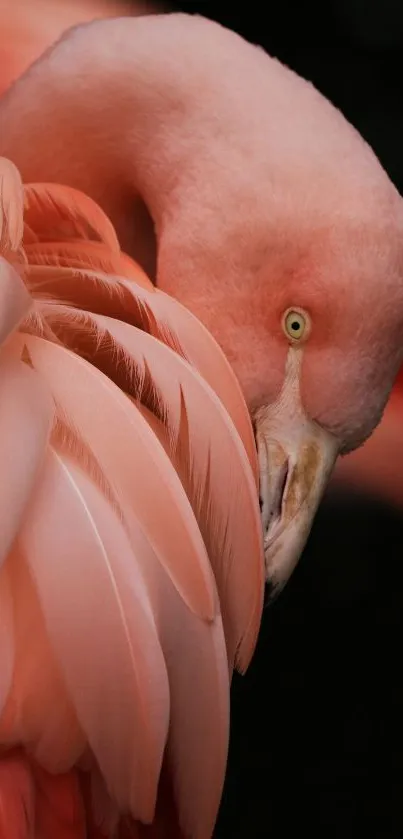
296,325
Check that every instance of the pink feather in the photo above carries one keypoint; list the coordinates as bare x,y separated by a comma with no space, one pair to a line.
138,303
125,558
25,421
92,406
58,213
229,521
195,657
94,597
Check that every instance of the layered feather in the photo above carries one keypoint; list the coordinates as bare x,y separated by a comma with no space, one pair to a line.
73,268
133,300
178,396
136,574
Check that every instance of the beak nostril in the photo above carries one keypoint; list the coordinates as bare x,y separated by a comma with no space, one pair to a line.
279,494
276,506
282,485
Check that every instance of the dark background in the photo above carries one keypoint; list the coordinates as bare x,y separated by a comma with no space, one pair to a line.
317,734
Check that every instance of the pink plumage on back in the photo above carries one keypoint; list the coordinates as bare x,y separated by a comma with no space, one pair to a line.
131,580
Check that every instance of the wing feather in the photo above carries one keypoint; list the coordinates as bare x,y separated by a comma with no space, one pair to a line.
26,416
196,660
206,451
195,656
135,301
80,256
146,488
58,213
15,301
38,712
129,454
102,628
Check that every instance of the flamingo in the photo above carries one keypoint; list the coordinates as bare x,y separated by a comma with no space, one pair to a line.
201,308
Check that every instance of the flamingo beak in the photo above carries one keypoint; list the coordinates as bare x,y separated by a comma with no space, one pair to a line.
296,459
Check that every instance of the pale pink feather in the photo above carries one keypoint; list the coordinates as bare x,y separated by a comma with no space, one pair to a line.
134,300
107,569
57,213
15,301
38,711
229,520
92,406
94,598
26,416
195,658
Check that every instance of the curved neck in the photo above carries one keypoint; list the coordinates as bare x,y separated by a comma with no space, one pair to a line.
99,113
142,115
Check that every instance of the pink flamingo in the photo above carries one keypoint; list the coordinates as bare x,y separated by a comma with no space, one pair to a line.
248,278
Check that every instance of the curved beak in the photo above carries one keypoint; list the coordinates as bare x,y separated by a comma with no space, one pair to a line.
296,458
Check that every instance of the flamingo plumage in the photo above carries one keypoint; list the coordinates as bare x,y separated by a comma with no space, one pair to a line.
184,280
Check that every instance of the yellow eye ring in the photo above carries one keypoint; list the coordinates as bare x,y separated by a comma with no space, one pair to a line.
296,325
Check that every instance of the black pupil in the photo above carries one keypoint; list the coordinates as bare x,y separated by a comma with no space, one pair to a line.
295,326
